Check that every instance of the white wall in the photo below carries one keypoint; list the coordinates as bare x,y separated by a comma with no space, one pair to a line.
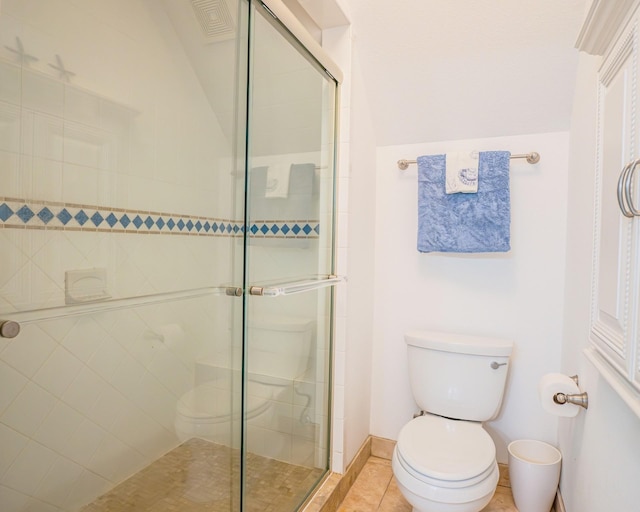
517,295
522,296
354,304
601,448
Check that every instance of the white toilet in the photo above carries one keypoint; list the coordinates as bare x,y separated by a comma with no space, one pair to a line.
444,460
279,351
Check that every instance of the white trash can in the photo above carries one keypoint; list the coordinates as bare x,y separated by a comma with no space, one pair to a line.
534,471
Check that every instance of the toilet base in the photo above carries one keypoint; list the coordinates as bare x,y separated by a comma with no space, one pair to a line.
421,504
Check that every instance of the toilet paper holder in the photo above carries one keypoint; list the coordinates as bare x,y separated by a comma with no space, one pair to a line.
581,399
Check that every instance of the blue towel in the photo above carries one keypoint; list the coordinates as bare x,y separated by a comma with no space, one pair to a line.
464,222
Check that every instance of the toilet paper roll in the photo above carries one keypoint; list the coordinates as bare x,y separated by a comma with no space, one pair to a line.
553,383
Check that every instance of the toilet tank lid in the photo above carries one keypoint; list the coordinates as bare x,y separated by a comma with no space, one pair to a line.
459,343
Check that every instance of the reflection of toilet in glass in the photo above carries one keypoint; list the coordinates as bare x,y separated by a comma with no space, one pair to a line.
444,460
279,351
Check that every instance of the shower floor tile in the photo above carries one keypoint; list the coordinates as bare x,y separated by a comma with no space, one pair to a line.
199,476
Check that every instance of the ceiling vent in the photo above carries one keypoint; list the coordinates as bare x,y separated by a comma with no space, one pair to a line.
215,19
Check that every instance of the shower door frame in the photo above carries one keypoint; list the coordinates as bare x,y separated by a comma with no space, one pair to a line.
292,30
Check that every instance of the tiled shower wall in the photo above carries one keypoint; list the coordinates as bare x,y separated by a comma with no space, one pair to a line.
111,157
86,159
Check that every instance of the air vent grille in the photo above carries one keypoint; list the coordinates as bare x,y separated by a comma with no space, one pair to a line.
214,19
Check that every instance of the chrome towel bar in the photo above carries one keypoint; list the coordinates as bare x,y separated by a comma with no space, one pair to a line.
532,158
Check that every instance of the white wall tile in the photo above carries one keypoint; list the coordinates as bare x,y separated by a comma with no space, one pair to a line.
169,370
84,339
155,400
58,427
84,391
105,406
10,83
108,457
86,488
10,128
137,429
12,384
108,358
28,352
338,402
303,452
79,184
57,373
28,470
29,409
58,482
337,436
47,133
12,500
13,181
46,179
81,107
42,93
11,444
84,443
337,462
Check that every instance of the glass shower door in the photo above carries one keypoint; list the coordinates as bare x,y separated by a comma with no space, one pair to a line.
289,266
120,244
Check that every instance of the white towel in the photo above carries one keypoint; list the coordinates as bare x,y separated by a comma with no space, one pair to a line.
277,181
461,173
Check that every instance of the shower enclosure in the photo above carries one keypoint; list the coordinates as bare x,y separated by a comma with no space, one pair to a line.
167,184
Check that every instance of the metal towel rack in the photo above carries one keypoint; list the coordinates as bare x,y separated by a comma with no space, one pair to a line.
532,158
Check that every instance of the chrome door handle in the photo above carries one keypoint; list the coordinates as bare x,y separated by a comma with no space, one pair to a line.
9,329
628,182
301,286
622,190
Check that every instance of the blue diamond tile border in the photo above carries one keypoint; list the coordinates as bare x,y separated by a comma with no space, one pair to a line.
40,215
5,212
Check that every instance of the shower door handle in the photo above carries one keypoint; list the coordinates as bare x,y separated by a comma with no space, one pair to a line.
291,287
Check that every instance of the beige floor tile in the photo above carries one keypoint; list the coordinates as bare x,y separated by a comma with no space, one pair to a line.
199,476
369,487
393,500
370,494
502,501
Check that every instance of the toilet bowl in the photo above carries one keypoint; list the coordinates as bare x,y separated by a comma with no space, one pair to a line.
444,460
280,349
445,465
207,410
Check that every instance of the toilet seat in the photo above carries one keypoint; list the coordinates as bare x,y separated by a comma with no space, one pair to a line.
446,450
211,402
446,462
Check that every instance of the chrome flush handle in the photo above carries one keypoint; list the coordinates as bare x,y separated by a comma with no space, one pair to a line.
495,365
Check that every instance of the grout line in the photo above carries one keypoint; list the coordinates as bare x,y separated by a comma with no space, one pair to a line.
386,490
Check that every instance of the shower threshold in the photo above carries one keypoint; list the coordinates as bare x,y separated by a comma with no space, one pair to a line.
200,476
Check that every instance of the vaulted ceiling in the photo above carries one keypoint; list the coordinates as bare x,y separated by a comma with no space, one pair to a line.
456,69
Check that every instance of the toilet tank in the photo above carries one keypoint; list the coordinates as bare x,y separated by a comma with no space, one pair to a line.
454,375
279,346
